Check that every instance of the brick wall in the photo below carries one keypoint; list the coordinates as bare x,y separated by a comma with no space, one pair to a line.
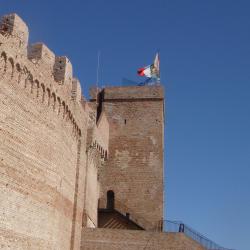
92,188
134,170
115,239
42,145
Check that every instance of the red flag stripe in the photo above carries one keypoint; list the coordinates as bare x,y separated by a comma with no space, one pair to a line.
140,71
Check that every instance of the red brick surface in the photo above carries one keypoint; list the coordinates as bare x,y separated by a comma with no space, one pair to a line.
114,239
134,170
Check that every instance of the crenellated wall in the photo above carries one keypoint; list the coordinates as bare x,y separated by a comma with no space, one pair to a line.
43,133
59,154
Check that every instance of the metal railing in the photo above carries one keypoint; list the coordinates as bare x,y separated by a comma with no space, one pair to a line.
169,226
177,226
149,81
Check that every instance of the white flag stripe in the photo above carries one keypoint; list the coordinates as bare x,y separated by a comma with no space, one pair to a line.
147,72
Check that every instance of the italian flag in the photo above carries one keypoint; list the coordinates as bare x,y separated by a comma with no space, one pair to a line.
146,71
152,70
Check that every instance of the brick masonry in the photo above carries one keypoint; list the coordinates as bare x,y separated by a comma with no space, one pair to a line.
115,239
134,170
60,154
43,134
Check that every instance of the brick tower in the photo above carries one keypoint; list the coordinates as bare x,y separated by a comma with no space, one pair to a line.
132,178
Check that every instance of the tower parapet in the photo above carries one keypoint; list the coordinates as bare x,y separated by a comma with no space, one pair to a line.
134,93
39,52
76,90
36,67
12,25
63,70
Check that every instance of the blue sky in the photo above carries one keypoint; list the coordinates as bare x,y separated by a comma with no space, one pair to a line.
205,68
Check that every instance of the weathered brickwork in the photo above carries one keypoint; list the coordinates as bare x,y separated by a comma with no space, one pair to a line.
60,154
134,170
114,239
43,137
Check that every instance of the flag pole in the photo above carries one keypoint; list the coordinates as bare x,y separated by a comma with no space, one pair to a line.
98,68
97,74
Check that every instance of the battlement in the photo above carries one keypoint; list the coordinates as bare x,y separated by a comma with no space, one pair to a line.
130,93
13,25
38,59
44,124
40,51
76,90
38,69
63,70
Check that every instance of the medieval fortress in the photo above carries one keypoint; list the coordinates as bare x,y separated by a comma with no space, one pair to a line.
76,173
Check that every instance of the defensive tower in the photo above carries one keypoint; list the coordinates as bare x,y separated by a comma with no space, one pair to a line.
134,169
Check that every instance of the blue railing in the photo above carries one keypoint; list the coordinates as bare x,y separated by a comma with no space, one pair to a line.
149,81
177,226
